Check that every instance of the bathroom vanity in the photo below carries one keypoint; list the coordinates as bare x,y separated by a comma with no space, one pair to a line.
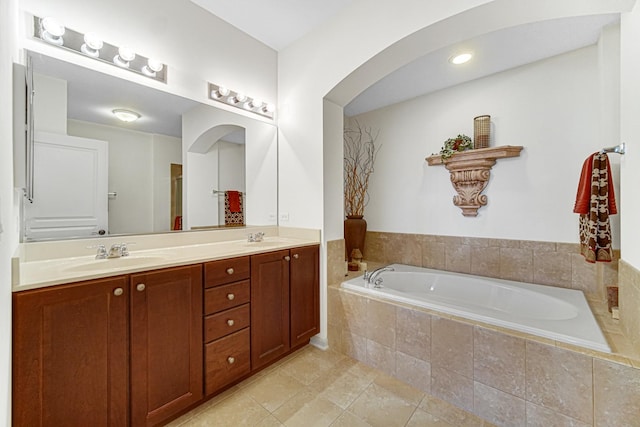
141,347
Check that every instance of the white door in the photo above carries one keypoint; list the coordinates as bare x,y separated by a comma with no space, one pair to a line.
70,188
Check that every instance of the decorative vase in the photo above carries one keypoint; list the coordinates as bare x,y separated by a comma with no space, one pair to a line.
355,228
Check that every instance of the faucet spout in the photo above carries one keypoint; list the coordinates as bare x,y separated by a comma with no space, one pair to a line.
372,277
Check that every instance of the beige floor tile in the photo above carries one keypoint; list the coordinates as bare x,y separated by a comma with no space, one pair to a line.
237,410
347,419
307,409
421,418
382,408
270,421
307,367
401,389
273,390
341,388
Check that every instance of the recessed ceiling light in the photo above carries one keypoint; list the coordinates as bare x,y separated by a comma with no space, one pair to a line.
126,115
460,58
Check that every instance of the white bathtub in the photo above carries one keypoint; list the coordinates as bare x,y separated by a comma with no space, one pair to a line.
555,313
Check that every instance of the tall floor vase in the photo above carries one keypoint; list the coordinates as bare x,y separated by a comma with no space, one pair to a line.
355,228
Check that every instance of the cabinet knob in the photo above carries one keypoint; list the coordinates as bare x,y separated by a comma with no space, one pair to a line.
287,258
231,297
296,256
140,287
230,322
231,360
118,291
230,271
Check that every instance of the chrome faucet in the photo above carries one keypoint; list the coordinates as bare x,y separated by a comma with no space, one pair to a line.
371,278
257,237
102,251
118,250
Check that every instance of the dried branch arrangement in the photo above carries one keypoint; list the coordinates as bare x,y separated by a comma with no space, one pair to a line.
359,156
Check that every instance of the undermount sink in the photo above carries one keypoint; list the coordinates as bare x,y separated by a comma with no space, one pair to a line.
109,263
262,244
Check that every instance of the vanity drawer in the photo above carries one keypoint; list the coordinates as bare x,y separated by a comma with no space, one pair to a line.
226,360
226,271
220,324
226,296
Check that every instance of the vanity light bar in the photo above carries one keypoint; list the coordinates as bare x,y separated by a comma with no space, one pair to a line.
90,45
240,100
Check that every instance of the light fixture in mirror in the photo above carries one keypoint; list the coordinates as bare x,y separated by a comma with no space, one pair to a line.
461,58
90,45
126,116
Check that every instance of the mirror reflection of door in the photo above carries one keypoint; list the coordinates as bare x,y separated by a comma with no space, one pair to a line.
176,196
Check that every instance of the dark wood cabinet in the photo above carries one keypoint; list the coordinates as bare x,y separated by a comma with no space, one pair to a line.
166,343
269,307
112,352
304,290
71,355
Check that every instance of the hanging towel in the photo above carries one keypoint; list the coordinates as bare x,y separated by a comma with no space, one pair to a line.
595,201
233,209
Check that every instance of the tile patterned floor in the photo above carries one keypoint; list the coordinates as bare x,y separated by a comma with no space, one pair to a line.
322,388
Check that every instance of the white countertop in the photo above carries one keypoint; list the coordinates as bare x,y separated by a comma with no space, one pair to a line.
34,269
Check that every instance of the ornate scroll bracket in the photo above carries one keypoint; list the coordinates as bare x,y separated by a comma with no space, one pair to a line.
470,172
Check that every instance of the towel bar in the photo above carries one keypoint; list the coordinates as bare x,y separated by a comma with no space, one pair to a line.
620,149
218,192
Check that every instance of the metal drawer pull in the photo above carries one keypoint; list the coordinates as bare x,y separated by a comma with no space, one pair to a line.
231,297
296,256
140,287
231,360
230,271
230,322
118,291
287,258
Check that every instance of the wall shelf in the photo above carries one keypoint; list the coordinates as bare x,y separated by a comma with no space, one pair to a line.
470,172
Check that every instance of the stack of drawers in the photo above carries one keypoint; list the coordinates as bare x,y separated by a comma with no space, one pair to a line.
227,337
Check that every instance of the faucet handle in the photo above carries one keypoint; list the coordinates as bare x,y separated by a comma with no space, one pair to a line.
102,251
124,251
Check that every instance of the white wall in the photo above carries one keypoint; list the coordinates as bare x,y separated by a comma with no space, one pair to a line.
551,107
630,133
50,104
231,170
139,173
8,207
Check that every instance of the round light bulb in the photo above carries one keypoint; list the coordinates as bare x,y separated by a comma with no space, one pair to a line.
269,108
126,53
154,65
256,103
53,26
93,41
460,58
240,97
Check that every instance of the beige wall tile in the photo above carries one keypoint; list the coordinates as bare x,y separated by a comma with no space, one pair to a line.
433,255
629,300
537,416
381,323
374,243
478,242
413,371
449,240
552,268
560,380
485,261
334,338
617,394
381,357
538,246
504,243
452,387
499,361
584,275
354,346
452,346
413,333
500,408
569,248
457,258
355,312
335,261
335,310
404,249
516,264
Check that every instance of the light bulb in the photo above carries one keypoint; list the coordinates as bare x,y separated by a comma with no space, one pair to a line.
92,45
269,108
220,92
124,56
52,30
152,68
126,115
238,98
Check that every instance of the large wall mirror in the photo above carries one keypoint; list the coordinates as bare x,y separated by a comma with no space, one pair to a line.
181,165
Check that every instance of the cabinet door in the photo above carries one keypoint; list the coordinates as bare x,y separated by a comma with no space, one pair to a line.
70,355
166,343
269,307
305,294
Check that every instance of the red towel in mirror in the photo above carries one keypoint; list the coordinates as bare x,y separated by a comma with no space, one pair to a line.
234,201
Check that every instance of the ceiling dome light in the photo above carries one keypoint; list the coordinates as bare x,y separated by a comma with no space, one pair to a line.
152,67
124,56
92,45
460,58
52,30
126,115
